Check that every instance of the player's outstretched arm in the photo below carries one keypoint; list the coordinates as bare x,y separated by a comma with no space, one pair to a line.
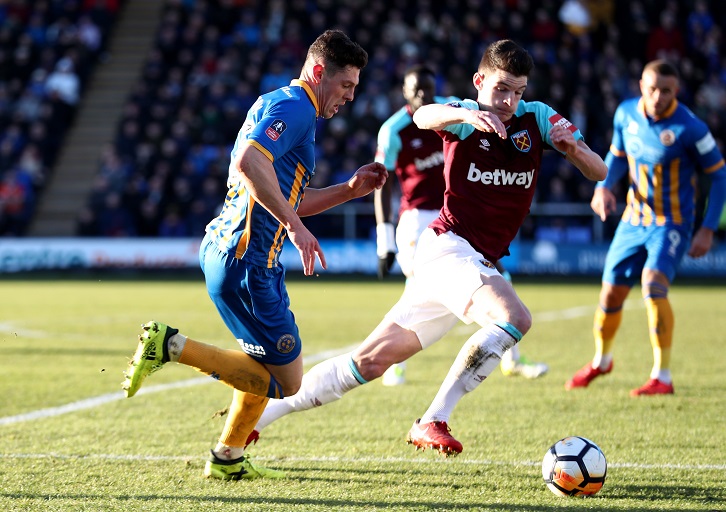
438,116
366,179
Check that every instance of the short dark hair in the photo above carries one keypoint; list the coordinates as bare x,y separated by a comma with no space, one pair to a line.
662,67
420,70
508,56
337,51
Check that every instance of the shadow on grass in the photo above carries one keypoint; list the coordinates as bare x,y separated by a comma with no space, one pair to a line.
322,504
669,493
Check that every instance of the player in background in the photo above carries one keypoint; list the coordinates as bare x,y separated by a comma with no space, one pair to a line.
661,144
493,151
272,162
417,159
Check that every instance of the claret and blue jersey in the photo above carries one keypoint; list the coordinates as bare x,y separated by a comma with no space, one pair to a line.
281,124
491,181
662,157
417,158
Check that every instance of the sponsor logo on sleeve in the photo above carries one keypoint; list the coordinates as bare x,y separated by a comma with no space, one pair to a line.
275,129
557,119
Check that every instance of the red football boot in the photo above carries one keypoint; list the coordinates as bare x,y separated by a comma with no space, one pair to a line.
586,375
434,434
653,387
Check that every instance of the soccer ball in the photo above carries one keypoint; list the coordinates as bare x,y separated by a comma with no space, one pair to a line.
574,466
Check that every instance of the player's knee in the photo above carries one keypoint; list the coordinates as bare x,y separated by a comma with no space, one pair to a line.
613,296
290,388
654,290
521,318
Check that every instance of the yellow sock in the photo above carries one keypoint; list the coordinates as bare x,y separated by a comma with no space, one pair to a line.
604,327
233,367
244,412
660,326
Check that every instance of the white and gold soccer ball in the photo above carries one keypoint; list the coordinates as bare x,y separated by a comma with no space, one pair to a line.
574,466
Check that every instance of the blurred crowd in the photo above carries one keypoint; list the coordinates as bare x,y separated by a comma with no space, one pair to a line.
48,49
165,172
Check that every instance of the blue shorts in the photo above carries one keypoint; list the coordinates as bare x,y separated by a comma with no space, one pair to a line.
634,248
254,304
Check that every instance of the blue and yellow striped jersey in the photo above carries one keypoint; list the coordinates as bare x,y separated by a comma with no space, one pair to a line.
662,157
281,124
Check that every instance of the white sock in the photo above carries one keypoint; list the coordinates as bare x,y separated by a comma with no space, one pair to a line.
602,361
510,357
662,375
175,345
324,383
224,452
481,353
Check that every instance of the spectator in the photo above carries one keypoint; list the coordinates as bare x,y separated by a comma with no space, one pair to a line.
63,87
16,203
666,40
30,163
699,23
86,223
172,225
113,219
89,34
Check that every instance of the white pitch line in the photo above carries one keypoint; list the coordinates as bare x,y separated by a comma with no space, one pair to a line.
88,403
548,316
355,460
96,401
11,328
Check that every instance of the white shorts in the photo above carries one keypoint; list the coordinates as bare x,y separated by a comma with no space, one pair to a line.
448,272
411,224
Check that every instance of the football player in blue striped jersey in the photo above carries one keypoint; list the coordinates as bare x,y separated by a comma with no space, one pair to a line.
661,144
271,164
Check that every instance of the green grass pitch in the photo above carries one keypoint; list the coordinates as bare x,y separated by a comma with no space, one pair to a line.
70,442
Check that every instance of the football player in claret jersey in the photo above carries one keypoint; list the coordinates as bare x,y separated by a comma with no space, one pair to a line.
416,158
492,152
271,164
661,145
